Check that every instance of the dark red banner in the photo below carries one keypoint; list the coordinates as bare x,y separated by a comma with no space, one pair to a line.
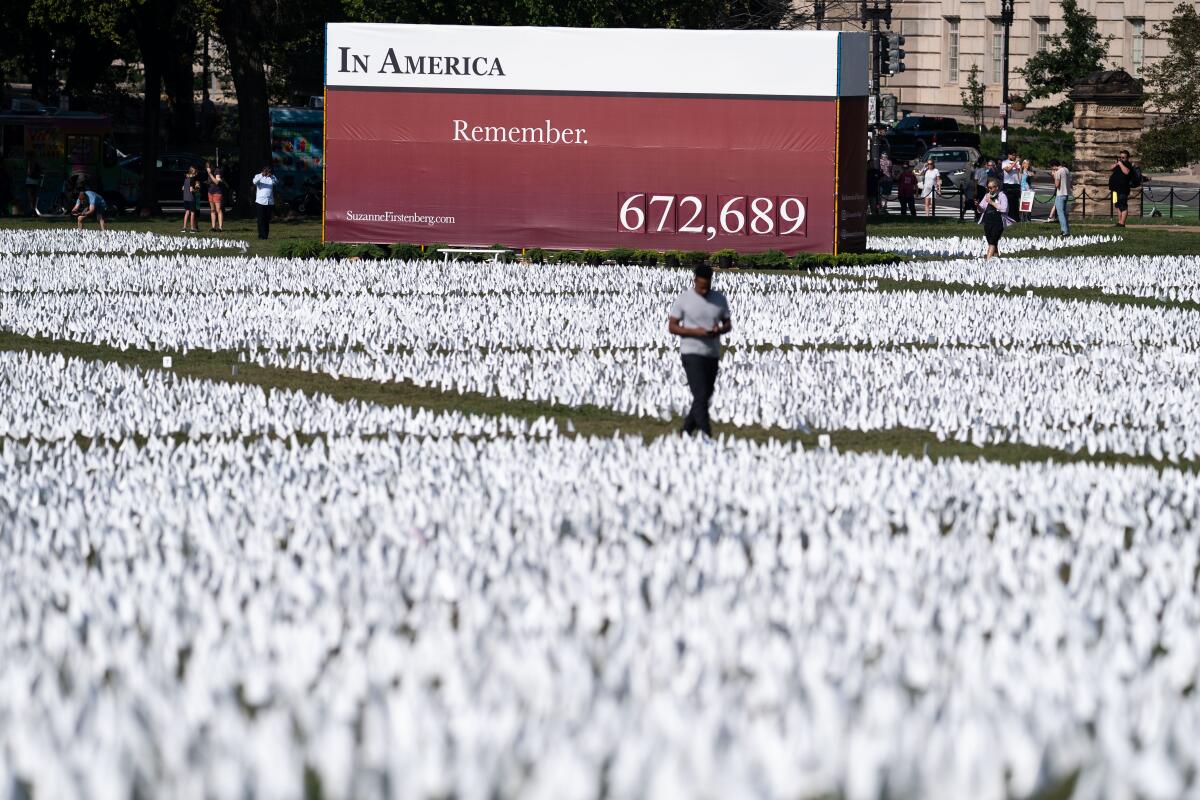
568,171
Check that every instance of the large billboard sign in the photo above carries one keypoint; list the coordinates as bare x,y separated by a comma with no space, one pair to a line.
596,138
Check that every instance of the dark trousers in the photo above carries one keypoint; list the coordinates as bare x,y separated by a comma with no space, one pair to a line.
701,374
1013,192
263,213
908,205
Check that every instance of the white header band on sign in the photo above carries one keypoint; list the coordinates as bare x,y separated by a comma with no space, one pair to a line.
597,60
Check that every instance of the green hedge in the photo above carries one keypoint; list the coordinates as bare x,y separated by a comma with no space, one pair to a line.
1039,146
772,259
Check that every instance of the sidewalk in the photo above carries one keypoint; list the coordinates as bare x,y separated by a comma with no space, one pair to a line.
1186,178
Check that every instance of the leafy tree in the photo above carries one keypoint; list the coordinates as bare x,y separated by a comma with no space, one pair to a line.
583,13
1174,141
1068,58
972,96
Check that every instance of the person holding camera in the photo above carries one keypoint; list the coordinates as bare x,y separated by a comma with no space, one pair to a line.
216,197
264,197
993,215
1125,177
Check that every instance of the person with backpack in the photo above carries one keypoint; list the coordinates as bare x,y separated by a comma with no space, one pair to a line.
1125,177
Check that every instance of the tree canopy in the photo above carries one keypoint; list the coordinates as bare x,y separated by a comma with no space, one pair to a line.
1068,58
1174,141
273,52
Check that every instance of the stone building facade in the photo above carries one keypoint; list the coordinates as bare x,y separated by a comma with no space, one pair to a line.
944,38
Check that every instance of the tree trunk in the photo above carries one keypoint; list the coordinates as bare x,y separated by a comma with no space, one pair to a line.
241,25
151,111
179,81
148,23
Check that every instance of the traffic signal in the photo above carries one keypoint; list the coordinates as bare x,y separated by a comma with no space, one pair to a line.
879,53
892,57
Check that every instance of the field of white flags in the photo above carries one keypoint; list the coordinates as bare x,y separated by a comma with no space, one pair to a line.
219,581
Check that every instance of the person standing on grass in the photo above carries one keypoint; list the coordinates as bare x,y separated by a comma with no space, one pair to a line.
700,317
1027,173
1124,179
191,188
1011,172
216,196
906,191
95,207
33,183
1062,193
994,216
980,177
931,182
264,197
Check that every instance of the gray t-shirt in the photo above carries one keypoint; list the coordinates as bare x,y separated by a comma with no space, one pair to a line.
694,311
1064,183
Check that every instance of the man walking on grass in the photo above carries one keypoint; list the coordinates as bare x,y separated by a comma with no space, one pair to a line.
700,317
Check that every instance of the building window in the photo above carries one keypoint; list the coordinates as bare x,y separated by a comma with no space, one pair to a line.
1137,45
952,50
997,51
1041,35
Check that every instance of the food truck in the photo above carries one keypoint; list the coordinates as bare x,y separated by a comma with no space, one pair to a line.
66,148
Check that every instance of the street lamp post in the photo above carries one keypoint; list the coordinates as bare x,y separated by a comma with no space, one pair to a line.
1006,19
872,14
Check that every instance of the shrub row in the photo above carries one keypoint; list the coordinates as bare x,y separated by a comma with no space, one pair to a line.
1039,146
772,259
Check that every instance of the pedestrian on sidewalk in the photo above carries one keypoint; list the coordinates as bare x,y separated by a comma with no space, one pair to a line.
931,186
873,197
700,317
264,197
994,216
885,178
906,191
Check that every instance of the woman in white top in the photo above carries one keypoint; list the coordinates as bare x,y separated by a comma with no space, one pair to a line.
931,181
